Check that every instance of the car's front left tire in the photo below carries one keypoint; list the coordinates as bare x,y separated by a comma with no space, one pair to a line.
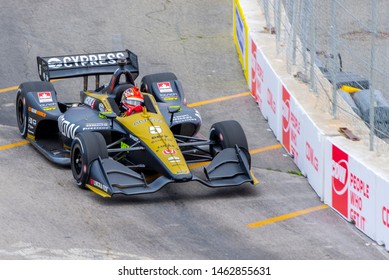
86,147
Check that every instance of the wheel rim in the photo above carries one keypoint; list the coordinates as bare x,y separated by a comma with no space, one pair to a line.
216,147
77,162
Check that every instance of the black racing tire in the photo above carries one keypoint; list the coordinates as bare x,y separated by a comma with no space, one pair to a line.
21,113
227,134
86,147
21,102
148,80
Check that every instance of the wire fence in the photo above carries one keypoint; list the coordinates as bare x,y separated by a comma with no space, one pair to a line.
340,49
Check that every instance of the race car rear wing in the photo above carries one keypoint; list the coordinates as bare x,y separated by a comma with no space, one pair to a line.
84,65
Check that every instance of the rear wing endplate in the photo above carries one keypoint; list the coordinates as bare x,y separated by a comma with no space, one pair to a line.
82,65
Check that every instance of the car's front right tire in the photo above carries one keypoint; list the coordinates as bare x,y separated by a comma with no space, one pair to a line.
227,134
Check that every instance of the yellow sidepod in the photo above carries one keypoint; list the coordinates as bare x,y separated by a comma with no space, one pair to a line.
155,133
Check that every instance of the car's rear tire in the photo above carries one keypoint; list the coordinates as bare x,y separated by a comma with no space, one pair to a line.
86,147
21,103
21,113
227,134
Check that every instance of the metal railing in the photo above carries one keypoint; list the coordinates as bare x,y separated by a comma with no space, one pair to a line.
340,49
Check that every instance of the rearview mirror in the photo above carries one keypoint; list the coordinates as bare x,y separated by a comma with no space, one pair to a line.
108,115
174,109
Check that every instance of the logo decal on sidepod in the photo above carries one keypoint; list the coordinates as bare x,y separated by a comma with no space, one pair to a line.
45,97
164,87
66,128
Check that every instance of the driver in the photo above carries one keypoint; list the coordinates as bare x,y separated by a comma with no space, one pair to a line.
132,101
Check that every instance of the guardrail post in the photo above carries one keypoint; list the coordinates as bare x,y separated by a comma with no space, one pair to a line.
372,64
312,47
333,55
277,23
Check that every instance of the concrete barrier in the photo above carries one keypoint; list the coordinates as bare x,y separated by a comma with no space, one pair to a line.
347,177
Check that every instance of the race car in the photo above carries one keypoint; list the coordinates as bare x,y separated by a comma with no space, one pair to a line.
111,152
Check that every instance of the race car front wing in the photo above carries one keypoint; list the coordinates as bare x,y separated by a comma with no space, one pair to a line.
230,167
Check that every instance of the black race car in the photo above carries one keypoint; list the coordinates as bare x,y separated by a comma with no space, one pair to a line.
111,153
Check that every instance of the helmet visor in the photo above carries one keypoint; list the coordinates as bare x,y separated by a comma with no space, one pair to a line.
133,102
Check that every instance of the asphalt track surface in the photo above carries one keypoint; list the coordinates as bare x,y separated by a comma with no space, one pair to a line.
43,215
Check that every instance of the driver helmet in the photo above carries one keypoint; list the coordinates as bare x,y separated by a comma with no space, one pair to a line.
132,100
